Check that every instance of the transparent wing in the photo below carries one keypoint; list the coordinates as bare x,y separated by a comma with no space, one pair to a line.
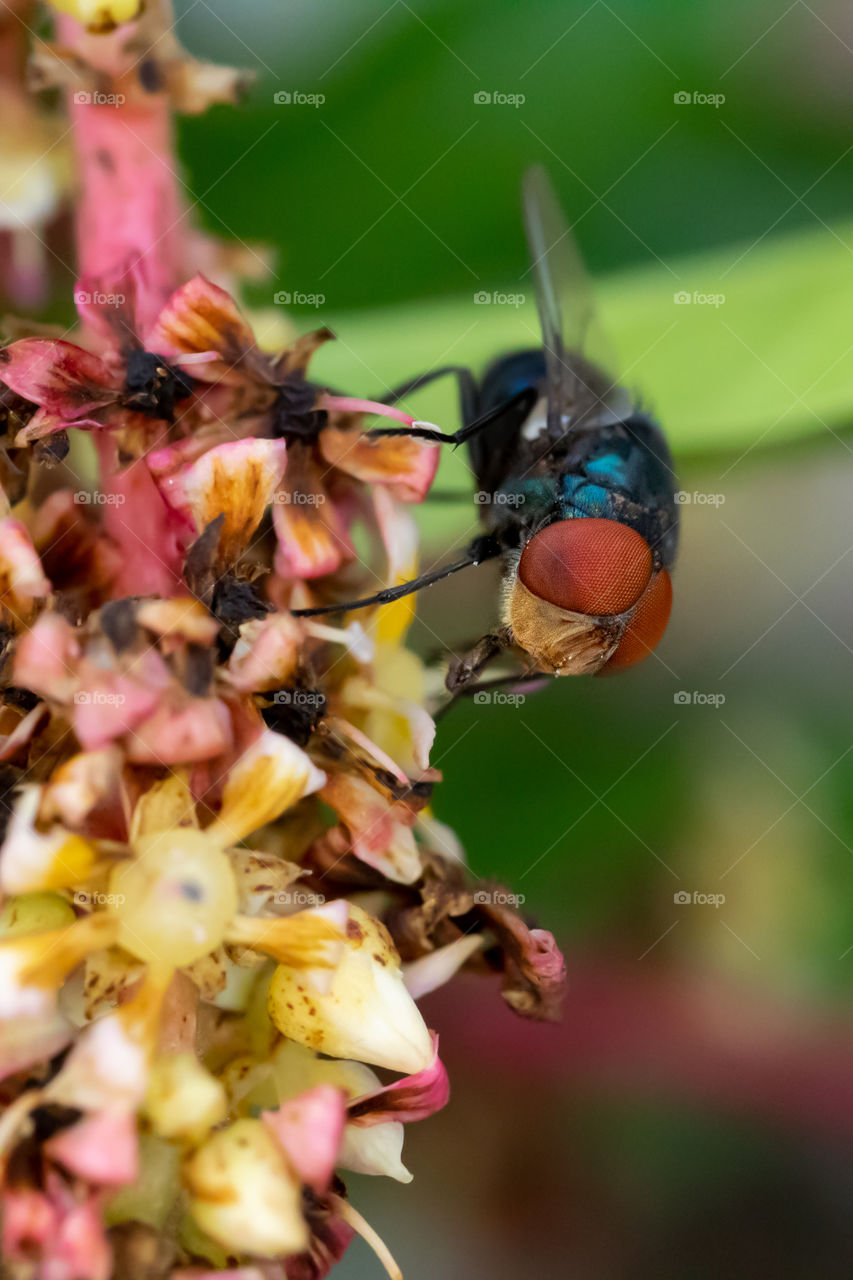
581,390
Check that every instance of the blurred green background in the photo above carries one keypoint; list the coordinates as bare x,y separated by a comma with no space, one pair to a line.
692,1117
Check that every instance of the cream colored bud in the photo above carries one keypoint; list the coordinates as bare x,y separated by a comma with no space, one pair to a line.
367,1014
376,1148
244,1195
184,1100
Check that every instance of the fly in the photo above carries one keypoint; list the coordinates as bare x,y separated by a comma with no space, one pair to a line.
575,485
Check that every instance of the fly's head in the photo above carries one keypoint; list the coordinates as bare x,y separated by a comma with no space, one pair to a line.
587,597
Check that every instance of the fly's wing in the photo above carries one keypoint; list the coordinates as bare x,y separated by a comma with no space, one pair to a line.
580,391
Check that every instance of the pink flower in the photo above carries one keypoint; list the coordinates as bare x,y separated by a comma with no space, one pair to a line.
309,1130
413,1098
127,387
328,466
376,829
67,1236
101,1148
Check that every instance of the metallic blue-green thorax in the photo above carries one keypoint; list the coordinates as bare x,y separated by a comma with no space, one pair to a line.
621,471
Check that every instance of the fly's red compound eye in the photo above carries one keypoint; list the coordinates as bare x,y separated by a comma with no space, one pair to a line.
587,566
646,627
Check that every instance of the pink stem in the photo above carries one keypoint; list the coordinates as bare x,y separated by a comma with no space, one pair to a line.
129,208
128,205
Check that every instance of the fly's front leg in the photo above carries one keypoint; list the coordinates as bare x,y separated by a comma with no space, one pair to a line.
465,381
518,406
465,669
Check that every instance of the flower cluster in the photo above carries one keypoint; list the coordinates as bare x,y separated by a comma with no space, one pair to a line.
223,891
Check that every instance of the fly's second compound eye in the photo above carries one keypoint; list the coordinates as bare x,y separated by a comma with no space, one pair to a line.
646,627
589,566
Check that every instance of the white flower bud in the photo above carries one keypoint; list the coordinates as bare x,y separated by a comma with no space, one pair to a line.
243,1193
376,1148
367,1014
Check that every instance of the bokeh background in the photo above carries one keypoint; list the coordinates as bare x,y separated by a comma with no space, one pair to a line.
693,1115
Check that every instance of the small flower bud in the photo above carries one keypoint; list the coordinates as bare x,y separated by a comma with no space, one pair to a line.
244,1195
184,1101
367,1014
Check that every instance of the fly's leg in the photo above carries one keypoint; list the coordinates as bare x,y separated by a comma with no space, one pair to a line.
466,383
384,405
464,670
472,424
481,549
519,405
520,679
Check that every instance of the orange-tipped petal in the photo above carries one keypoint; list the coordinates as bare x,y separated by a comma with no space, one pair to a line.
405,465
312,537
198,318
273,774
235,480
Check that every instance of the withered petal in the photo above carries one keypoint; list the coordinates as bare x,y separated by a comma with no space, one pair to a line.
402,463
61,377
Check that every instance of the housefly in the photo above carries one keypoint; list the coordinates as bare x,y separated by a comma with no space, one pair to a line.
575,486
